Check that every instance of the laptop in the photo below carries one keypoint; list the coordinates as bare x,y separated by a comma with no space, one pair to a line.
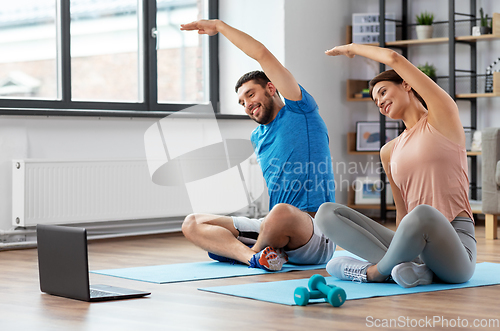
64,270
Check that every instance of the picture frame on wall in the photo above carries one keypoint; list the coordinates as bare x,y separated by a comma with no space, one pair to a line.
368,190
368,135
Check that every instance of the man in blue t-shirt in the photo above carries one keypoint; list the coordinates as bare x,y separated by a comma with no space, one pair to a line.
291,144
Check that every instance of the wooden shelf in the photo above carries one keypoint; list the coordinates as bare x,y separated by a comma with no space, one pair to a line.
411,42
441,40
473,153
478,38
430,41
476,95
355,86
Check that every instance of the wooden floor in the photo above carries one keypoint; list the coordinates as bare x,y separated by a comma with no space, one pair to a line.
180,306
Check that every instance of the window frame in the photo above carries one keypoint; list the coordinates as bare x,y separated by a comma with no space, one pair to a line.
149,107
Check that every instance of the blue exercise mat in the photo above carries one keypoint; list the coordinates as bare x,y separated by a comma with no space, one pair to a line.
184,272
282,291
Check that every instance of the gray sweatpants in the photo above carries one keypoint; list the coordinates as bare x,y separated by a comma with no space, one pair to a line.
448,249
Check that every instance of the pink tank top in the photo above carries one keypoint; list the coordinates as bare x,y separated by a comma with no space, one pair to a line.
430,169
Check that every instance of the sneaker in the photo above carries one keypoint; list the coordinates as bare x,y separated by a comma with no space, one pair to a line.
269,259
348,268
411,274
221,258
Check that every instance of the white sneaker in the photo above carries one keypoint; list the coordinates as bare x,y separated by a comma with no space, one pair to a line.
411,274
348,268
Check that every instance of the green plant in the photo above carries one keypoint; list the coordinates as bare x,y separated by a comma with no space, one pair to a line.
484,19
425,18
428,69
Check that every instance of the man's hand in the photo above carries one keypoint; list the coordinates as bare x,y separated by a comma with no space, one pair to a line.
203,26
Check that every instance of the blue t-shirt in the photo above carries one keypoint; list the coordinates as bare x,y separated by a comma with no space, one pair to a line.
294,156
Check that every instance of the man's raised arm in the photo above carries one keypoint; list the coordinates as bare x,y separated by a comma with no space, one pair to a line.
275,71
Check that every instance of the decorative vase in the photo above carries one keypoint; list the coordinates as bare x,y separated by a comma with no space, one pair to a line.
485,30
424,31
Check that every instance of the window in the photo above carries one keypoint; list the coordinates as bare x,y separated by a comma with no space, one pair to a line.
28,40
181,73
105,50
105,57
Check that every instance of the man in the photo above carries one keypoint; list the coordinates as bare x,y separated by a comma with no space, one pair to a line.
291,144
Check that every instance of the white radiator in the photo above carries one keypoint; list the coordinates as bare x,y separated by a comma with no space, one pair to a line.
59,192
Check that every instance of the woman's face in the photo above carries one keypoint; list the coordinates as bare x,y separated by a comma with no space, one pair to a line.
391,98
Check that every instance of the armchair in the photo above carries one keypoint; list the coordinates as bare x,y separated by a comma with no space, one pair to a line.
491,180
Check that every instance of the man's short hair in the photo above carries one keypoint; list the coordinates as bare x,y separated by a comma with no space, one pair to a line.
258,76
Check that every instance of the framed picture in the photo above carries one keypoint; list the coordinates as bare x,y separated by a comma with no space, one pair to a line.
368,190
368,135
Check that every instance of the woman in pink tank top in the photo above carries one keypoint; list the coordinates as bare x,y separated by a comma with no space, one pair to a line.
427,169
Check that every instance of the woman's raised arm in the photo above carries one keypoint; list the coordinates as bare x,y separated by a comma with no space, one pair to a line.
443,111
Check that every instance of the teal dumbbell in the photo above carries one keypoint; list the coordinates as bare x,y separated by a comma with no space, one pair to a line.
302,295
334,295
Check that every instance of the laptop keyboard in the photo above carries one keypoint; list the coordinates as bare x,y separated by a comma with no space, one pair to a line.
99,294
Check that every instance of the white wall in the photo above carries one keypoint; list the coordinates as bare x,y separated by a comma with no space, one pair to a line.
311,27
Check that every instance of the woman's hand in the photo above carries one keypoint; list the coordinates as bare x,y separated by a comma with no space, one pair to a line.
341,50
203,27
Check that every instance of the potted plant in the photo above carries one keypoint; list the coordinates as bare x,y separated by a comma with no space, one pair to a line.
429,70
484,29
424,25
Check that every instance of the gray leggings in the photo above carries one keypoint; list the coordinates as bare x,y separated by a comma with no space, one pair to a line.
448,249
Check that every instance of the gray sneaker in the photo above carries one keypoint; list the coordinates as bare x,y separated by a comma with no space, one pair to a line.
411,274
348,268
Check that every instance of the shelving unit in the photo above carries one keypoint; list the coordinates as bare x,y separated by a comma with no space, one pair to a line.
354,85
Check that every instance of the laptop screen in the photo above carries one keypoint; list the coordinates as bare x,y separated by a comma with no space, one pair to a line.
63,261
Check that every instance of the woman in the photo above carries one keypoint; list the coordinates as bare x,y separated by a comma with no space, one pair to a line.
427,169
